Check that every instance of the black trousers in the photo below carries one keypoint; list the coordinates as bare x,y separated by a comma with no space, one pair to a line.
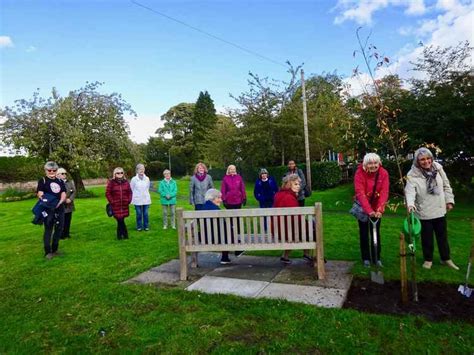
122,232
301,203
67,225
367,249
53,227
439,227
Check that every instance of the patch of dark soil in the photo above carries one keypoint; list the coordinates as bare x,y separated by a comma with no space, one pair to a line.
436,301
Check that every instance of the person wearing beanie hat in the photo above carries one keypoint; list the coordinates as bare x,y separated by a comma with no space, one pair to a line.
429,195
265,189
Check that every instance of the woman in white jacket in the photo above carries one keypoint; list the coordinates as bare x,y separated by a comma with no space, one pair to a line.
429,195
140,185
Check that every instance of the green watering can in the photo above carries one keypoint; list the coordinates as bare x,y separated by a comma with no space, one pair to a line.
415,225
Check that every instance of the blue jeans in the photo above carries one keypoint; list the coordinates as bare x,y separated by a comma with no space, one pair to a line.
142,216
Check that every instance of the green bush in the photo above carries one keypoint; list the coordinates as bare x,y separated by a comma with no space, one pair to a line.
394,175
11,194
325,174
19,169
217,173
86,194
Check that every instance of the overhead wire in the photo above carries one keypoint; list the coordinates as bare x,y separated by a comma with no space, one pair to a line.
248,51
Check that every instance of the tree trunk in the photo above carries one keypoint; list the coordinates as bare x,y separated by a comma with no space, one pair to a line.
76,176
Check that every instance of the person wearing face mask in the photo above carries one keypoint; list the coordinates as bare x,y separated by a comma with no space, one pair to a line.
69,203
51,191
371,185
119,195
141,199
233,189
429,195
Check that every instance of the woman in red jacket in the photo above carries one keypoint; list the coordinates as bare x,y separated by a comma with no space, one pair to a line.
288,197
119,195
372,201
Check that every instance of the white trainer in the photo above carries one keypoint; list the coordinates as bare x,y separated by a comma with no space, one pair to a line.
450,264
427,265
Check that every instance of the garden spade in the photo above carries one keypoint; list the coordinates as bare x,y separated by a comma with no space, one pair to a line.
377,275
464,289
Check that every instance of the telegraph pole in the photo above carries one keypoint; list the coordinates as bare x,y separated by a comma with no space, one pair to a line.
306,139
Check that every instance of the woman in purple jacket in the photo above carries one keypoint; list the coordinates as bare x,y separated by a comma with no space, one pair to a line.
233,189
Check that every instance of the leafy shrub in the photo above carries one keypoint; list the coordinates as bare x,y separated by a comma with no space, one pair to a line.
325,174
394,175
18,169
12,194
217,173
186,178
86,194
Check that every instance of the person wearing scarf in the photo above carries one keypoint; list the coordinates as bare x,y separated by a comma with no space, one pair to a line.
429,195
201,181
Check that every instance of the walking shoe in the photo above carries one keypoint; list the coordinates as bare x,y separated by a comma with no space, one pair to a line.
379,263
285,260
165,227
57,253
450,264
366,263
427,265
174,227
225,260
147,229
239,253
49,256
307,258
139,229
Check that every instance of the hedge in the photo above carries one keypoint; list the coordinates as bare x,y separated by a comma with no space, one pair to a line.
323,174
19,169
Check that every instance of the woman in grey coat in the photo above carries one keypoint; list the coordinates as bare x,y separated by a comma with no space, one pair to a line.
69,204
200,183
429,194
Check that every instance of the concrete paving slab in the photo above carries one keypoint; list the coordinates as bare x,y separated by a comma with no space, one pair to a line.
314,295
226,285
337,275
247,272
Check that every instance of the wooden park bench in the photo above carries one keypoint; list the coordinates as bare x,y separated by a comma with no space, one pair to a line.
251,229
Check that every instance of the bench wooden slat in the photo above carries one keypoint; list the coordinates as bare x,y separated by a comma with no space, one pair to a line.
249,231
254,212
296,223
254,246
289,228
303,227
282,228
227,234
310,228
275,229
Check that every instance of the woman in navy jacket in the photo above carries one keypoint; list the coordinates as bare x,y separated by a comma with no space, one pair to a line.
265,189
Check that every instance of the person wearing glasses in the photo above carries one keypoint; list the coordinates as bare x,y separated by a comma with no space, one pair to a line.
119,195
52,193
69,205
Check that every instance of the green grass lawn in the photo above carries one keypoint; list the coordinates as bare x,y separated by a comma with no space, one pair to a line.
62,305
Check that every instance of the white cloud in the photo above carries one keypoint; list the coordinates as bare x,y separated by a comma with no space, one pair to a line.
361,11
453,24
5,41
143,127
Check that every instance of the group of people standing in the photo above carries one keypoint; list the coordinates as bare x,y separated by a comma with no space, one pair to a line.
428,195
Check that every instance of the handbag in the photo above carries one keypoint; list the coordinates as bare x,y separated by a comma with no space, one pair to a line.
108,210
357,211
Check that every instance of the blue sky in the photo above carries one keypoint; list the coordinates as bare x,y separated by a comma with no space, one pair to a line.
156,63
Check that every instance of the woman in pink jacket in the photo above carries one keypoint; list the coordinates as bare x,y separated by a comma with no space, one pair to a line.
372,201
233,189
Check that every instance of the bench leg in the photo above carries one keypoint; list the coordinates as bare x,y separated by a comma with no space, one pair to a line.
319,264
194,262
183,265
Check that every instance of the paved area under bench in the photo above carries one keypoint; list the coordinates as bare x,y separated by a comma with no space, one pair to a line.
256,277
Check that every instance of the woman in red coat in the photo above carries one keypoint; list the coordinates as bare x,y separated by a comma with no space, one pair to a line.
288,197
119,195
373,203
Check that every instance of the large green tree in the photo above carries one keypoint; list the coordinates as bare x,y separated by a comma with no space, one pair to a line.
83,126
204,120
